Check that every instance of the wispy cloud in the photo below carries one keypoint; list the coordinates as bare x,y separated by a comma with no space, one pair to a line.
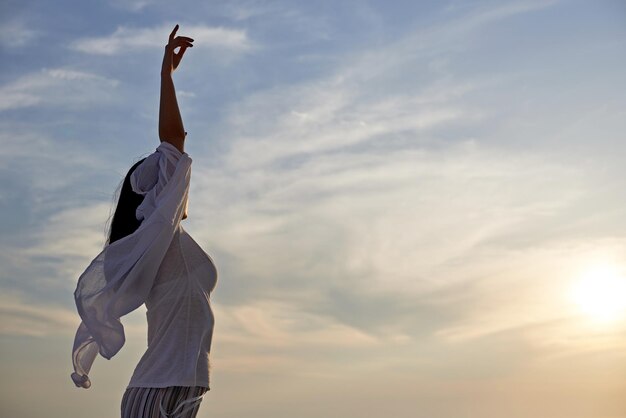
46,169
284,324
280,332
57,87
335,187
21,317
128,39
132,5
72,237
42,162
346,108
17,33
241,11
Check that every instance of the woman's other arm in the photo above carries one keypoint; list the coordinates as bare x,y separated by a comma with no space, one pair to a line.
170,122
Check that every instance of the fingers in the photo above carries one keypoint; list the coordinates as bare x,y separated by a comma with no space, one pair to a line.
178,42
173,33
181,52
173,36
177,56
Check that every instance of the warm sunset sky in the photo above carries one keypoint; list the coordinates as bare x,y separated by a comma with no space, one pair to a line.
417,209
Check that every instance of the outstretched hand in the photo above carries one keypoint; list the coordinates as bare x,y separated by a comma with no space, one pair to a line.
172,59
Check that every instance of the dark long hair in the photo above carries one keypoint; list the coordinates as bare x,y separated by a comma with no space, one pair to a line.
124,221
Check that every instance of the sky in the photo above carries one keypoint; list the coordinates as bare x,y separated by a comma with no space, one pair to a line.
416,208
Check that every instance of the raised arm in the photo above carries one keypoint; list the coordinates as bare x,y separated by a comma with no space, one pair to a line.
170,122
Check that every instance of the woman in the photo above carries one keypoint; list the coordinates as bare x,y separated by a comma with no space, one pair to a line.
149,258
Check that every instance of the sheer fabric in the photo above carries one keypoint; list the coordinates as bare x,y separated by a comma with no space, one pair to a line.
120,278
180,319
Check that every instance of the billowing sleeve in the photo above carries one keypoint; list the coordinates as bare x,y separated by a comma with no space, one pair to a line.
120,278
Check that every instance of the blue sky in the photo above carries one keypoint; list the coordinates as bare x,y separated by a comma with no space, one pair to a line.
403,200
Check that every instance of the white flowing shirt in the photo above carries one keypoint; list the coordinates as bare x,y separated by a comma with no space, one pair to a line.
160,265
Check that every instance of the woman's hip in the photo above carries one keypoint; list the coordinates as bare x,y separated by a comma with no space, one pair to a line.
167,402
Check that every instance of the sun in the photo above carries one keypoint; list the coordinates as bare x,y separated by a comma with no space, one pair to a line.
600,293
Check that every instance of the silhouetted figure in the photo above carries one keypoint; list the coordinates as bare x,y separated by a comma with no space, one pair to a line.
150,259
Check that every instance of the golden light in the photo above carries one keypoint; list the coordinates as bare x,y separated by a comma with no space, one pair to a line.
601,293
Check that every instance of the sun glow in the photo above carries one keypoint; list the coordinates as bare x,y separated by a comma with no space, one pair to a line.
601,293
